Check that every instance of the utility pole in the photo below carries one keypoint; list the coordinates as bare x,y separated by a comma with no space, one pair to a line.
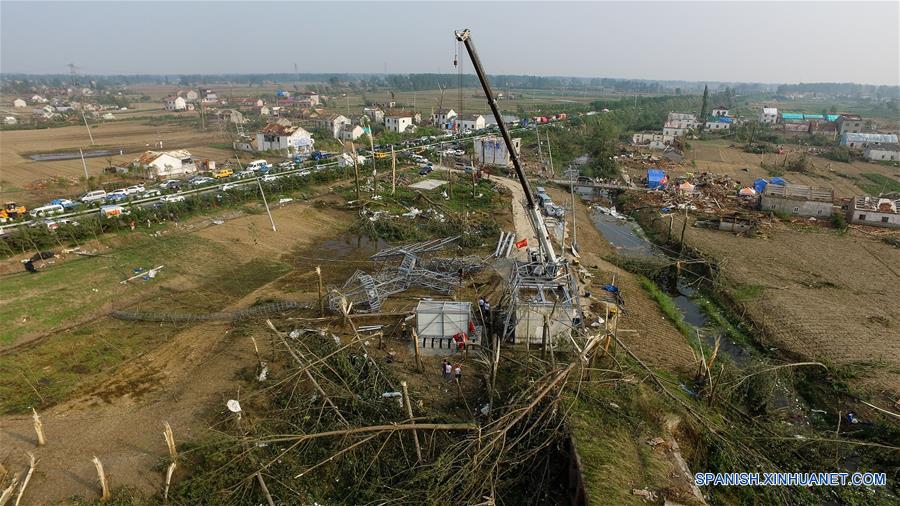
538,135
550,154
393,170
355,167
84,165
86,123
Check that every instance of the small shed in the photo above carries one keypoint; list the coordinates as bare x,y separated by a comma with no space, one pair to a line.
656,178
437,321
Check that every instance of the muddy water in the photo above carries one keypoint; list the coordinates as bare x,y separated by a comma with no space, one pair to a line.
629,239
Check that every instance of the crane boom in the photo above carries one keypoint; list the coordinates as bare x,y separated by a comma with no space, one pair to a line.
537,220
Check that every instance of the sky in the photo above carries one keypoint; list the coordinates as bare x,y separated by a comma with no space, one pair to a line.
773,42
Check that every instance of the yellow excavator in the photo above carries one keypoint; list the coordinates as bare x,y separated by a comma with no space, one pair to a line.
11,210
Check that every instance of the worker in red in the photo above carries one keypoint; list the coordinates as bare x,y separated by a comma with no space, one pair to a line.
460,339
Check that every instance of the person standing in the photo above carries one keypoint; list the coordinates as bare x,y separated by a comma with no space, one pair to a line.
447,370
458,373
444,368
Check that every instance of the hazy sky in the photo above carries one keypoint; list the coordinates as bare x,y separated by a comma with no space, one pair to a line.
708,41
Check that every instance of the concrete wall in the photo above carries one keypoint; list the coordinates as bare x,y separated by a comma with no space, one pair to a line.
873,218
796,207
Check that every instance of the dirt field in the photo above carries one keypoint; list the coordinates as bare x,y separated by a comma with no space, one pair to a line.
33,182
722,157
819,295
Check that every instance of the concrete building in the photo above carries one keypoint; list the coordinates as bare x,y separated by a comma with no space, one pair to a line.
374,113
720,111
333,124
717,125
351,132
165,164
682,120
849,124
443,118
280,137
438,321
398,121
491,150
473,122
797,200
653,140
860,141
882,151
19,103
175,104
674,130
768,115
873,211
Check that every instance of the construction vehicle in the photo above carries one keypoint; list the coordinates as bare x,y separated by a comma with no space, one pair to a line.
11,211
531,206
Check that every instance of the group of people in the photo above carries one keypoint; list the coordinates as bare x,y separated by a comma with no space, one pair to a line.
449,371
485,306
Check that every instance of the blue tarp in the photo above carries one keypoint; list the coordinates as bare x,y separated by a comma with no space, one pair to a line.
655,178
778,181
759,185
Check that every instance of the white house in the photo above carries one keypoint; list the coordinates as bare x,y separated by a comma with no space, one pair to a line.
313,98
860,141
38,99
720,111
209,96
19,103
191,95
674,129
375,113
768,115
175,104
491,150
653,140
165,164
333,124
873,211
717,125
398,122
279,137
351,132
682,120
264,111
109,116
10,120
443,118
882,151
473,122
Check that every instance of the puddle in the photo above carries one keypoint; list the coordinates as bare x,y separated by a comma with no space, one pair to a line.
71,155
625,236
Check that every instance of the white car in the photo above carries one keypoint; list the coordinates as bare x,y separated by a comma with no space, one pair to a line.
152,192
93,196
172,198
245,173
229,186
257,164
302,173
138,188
268,178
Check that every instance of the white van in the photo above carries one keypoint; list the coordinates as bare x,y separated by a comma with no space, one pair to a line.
257,165
47,210
93,196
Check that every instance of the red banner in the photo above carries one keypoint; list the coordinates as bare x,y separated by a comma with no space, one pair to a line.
521,244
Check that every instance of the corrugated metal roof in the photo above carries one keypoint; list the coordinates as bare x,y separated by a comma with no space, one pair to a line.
851,137
791,115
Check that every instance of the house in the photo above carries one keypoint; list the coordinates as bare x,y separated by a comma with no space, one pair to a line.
849,124
108,116
399,121
209,96
46,112
674,129
718,123
37,99
280,137
491,150
860,141
191,95
797,200
10,120
232,116
19,103
175,104
873,211
165,164
769,115
720,111
682,120
264,111
653,140
312,98
333,124
443,118
472,122
351,132
882,151
376,114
